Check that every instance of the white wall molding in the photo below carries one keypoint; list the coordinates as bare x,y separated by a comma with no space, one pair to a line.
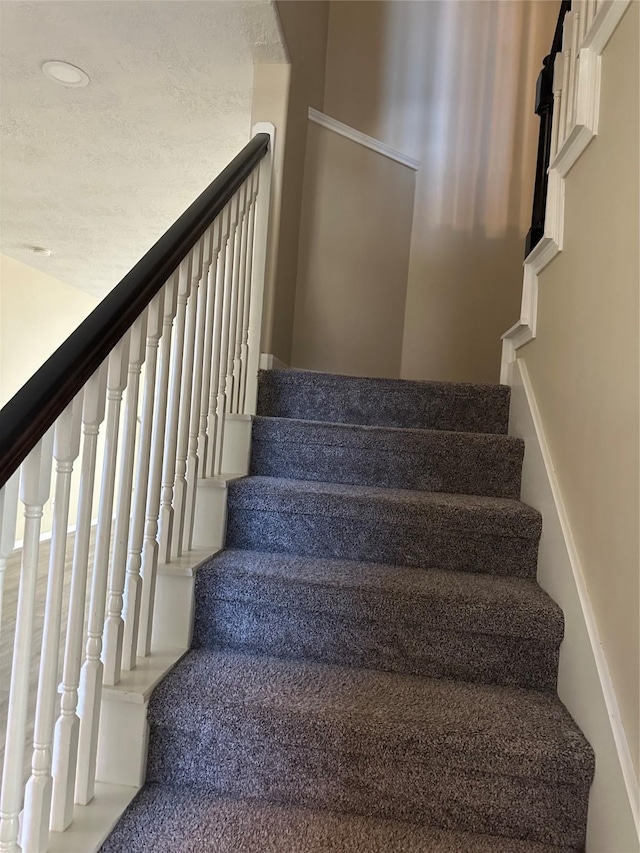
584,129
584,680
362,139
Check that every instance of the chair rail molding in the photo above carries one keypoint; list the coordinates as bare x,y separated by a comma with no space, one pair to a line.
576,110
363,139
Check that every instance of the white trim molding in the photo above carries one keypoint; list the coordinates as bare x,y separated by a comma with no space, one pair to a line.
583,130
362,139
268,361
584,679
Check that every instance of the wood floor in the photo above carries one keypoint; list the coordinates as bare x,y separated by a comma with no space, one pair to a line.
7,632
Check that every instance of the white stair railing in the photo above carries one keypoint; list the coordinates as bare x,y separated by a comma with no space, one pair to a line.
182,360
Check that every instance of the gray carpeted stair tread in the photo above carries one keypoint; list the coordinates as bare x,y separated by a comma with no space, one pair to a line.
401,527
429,460
442,624
313,396
168,819
501,730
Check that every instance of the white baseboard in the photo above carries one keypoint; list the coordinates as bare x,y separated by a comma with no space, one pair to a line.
584,681
268,361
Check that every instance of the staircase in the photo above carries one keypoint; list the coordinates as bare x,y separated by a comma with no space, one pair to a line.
373,664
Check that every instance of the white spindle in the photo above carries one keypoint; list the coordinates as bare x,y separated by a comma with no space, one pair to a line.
242,385
190,367
566,62
187,466
590,9
210,462
114,624
133,581
37,808
187,279
205,427
557,104
236,348
8,519
92,669
236,288
573,71
149,566
65,744
35,481
261,240
229,282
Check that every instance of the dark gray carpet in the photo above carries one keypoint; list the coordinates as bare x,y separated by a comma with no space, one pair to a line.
309,396
193,820
443,624
429,460
373,664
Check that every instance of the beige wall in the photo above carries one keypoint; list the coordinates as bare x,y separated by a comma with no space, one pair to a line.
37,313
451,84
584,366
287,95
353,259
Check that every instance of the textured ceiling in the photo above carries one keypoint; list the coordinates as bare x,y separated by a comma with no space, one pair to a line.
97,174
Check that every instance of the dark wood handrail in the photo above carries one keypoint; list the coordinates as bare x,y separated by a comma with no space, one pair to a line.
544,109
37,405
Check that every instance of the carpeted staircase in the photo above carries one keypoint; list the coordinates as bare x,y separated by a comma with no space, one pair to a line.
373,664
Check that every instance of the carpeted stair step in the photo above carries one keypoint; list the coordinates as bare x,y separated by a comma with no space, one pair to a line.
305,395
186,819
471,758
411,528
472,627
429,460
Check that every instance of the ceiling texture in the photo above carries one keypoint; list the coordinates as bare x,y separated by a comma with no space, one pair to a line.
98,174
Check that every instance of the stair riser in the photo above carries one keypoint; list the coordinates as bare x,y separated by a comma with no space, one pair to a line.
393,646
412,405
495,476
381,541
241,764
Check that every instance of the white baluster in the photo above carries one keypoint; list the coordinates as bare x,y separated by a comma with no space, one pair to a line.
580,7
557,104
37,807
150,543
591,7
573,71
65,743
189,441
133,582
229,283
205,427
114,624
566,62
8,519
190,404
247,300
236,287
35,481
189,368
189,272
261,241
225,227
92,669
236,349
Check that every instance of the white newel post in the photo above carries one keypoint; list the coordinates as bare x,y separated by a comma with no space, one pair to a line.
37,807
210,461
190,367
190,416
230,276
35,482
65,744
8,520
149,566
244,329
91,673
205,427
133,581
114,624
188,277
263,204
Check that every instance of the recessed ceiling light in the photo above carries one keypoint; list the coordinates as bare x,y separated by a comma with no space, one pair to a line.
65,74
